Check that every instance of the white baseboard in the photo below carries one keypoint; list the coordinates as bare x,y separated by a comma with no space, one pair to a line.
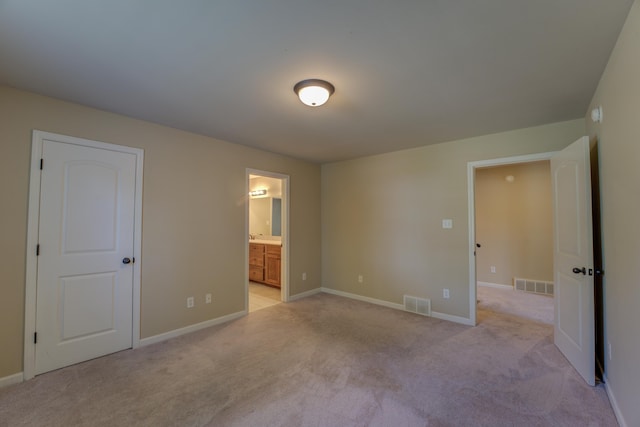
305,294
191,328
11,379
614,403
434,314
363,298
495,285
452,318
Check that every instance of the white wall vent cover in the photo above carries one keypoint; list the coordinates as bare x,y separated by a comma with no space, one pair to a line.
533,286
417,305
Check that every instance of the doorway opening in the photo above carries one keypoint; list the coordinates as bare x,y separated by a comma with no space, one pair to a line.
573,250
472,169
514,241
267,239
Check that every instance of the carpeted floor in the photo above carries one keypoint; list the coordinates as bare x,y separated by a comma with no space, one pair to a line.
323,361
538,308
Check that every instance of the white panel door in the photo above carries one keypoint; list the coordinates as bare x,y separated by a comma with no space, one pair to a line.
573,257
86,230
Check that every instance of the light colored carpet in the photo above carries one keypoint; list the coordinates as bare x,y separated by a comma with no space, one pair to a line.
323,361
538,308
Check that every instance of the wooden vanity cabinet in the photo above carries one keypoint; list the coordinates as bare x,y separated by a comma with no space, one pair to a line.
256,262
272,265
265,263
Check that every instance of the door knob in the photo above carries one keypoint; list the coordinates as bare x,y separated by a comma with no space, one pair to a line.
127,261
582,270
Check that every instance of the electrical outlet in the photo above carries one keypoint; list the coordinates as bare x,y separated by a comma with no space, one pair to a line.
493,268
609,351
304,276
207,298
447,223
190,302
360,278
445,293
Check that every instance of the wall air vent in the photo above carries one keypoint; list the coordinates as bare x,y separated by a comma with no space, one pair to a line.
533,286
417,305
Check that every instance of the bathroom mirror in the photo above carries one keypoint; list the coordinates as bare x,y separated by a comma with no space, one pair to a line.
265,216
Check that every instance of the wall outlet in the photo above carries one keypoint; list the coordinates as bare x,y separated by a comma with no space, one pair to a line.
609,351
190,302
304,276
360,278
445,293
207,298
447,223
493,268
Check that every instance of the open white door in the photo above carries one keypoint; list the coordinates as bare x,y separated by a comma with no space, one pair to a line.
573,257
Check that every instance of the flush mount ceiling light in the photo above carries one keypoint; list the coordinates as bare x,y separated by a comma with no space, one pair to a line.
313,92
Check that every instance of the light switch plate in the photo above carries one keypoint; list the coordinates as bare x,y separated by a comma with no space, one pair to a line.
447,223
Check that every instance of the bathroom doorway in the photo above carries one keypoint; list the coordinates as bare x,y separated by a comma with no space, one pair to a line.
267,239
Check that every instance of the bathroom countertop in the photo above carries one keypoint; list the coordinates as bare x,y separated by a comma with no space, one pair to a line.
266,242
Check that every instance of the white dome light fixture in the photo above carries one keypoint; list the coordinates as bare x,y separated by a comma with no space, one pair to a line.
314,92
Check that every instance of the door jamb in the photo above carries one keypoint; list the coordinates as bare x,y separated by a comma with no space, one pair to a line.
33,219
471,182
284,267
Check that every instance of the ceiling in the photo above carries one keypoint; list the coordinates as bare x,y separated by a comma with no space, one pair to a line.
407,73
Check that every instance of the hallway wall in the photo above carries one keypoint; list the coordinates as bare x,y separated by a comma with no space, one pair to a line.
618,143
514,223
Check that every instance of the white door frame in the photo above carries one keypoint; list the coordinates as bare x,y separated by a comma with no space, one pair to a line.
32,238
471,184
284,266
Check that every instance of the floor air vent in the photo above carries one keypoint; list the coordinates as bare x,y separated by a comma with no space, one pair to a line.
417,305
533,286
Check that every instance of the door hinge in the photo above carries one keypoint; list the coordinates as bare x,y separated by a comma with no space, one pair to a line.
35,338
38,249
41,163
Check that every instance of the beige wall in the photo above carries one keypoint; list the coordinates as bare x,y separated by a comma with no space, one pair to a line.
618,142
514,223
382,216
193,214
